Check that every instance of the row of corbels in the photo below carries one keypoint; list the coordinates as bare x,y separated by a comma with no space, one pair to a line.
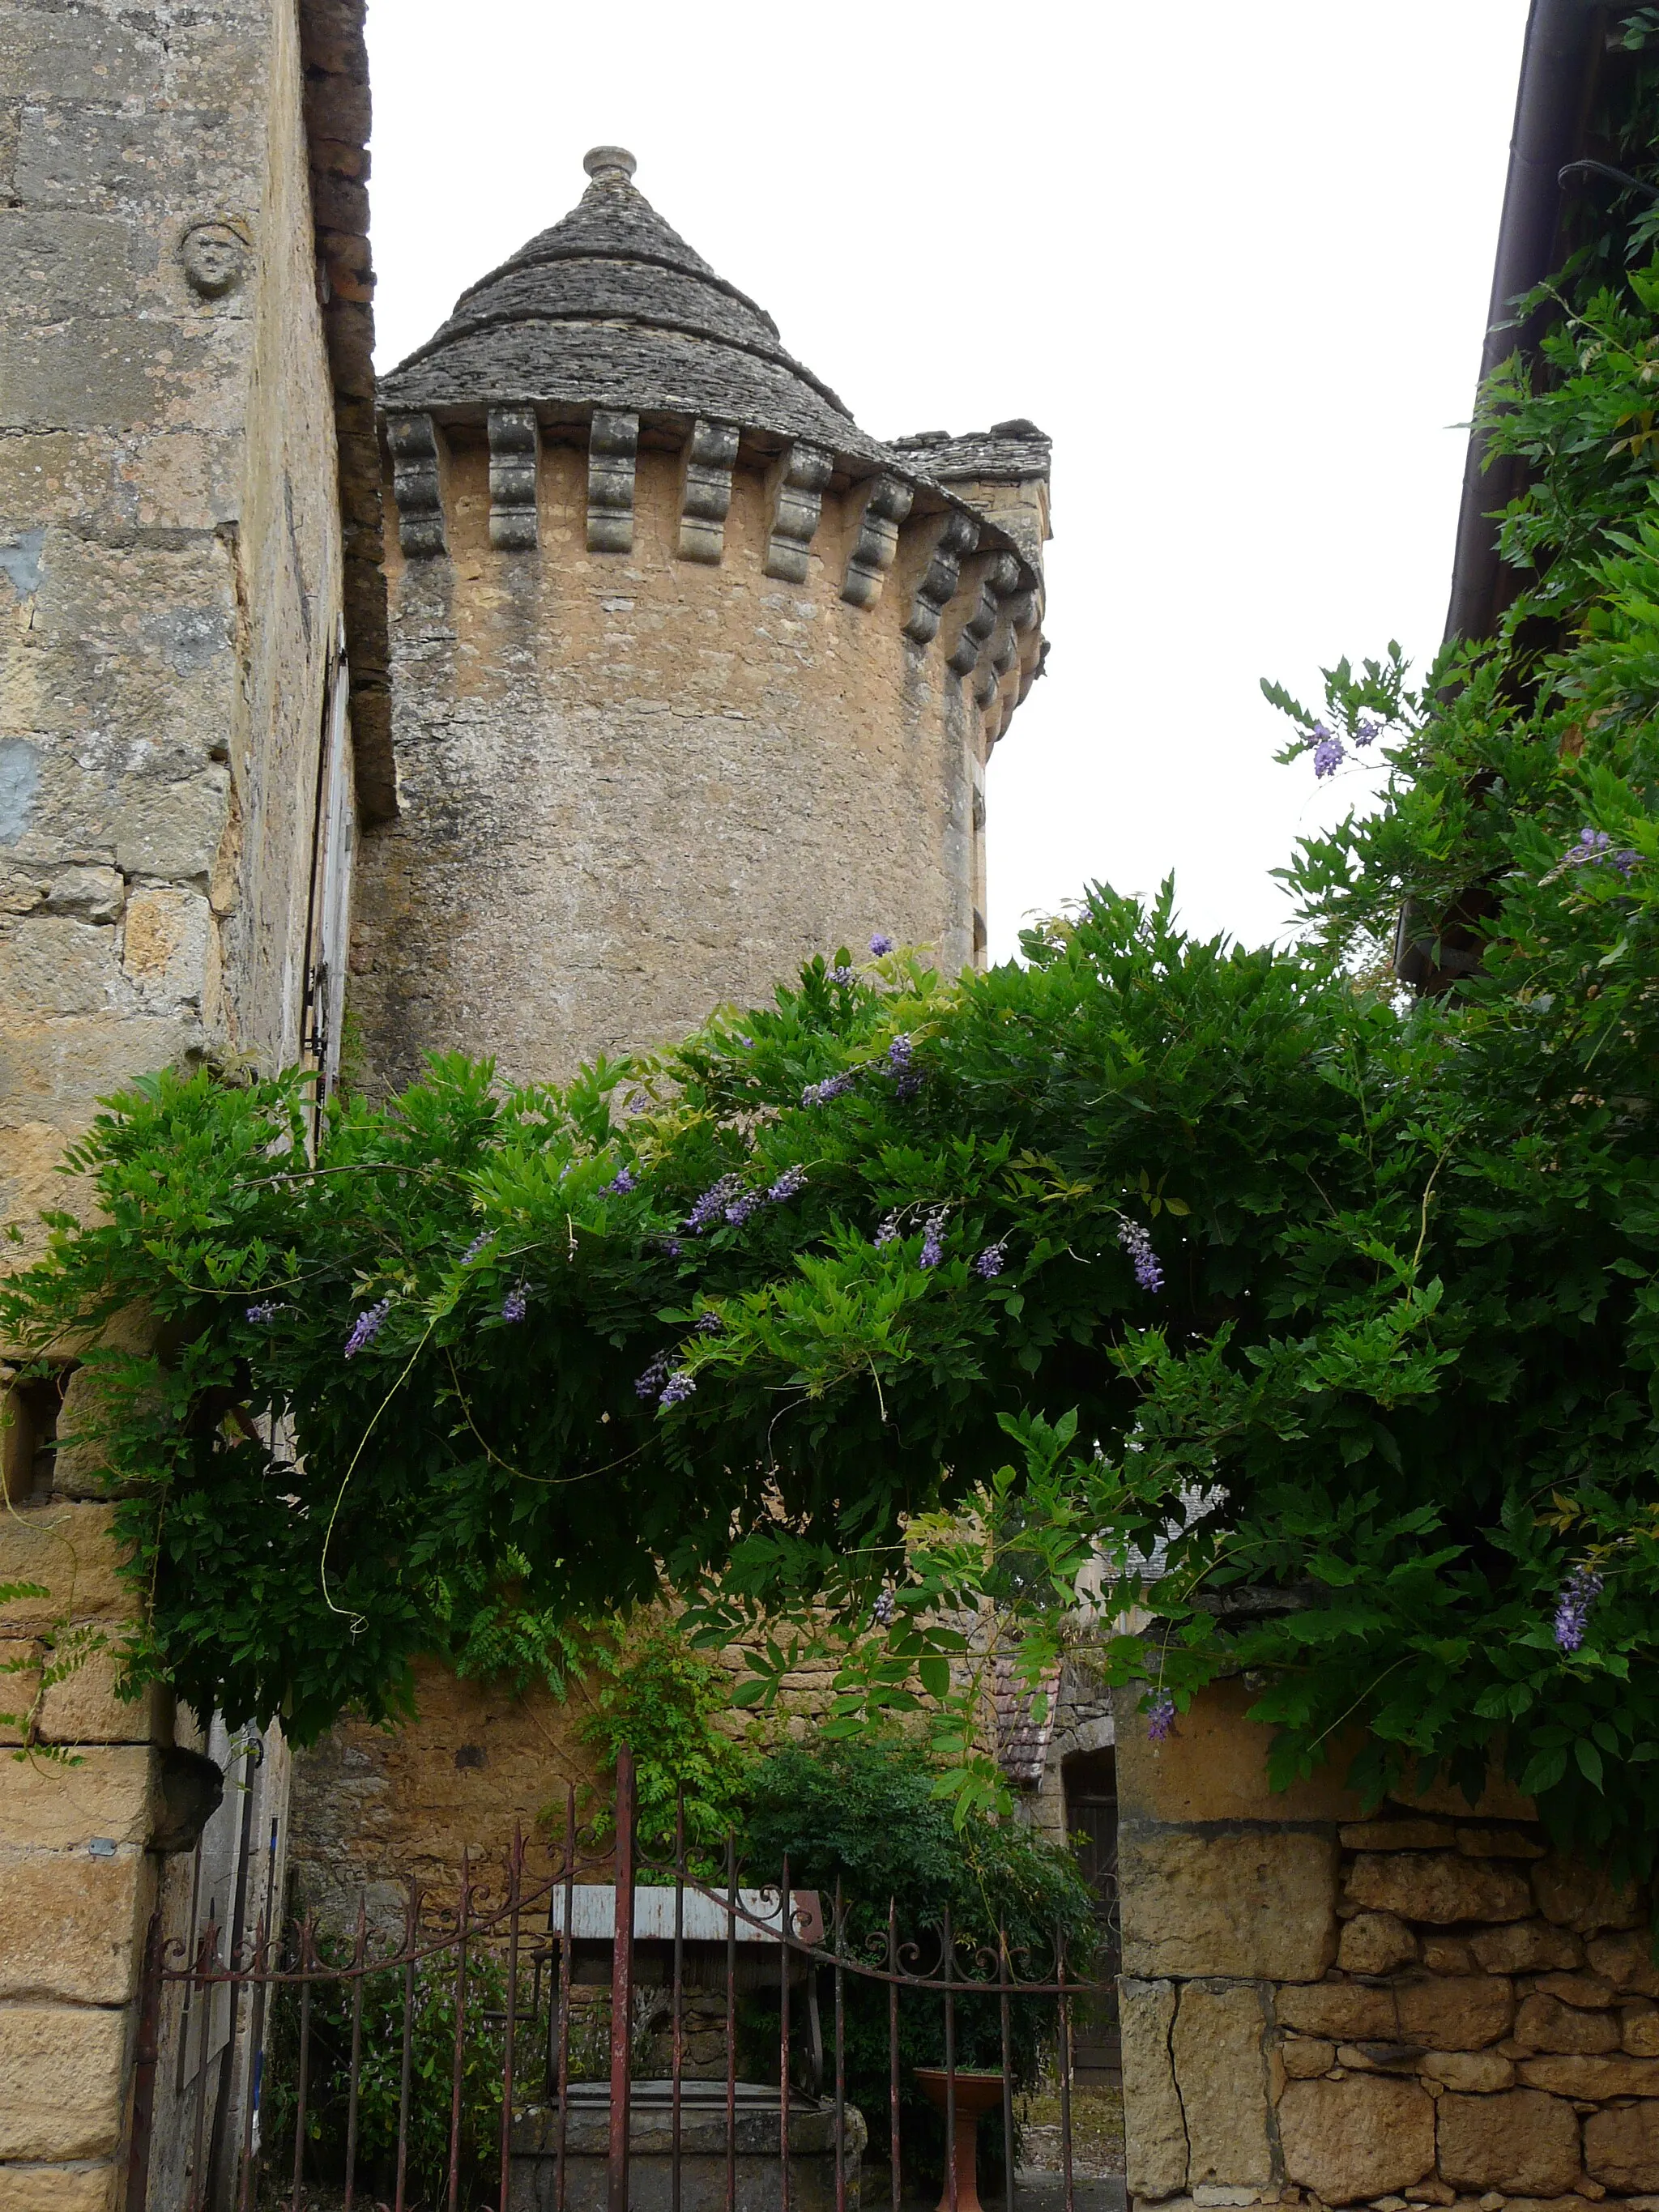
988,647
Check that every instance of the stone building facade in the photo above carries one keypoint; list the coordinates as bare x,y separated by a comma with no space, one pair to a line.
185,408
693,679
683,678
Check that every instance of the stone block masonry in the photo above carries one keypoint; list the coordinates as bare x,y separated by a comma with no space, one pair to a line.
1423,2006
174,427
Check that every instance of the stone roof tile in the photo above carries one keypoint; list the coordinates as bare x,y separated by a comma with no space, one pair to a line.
611,304
1008,452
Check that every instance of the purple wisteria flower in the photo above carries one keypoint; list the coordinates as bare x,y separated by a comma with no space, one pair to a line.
513,1304
820,1094
747,1042
888,1231
1138,1245
268,1310
366,1326
788,1185
844,975
992,1261
1328,750
678,1388
1161,1718
476,1247
713,1204
932,1239
907,1076
624,1179
1366,732
880,943
1579,1592
649,1385
673,1247
1595,845
741,1206
881,1613
708,1324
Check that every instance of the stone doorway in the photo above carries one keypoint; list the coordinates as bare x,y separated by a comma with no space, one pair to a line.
1089,1780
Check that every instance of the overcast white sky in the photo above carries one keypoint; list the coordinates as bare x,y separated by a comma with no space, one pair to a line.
1234,260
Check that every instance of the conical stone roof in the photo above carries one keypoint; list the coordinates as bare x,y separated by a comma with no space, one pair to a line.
610,307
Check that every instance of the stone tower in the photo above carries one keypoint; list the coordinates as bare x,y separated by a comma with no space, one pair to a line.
692,677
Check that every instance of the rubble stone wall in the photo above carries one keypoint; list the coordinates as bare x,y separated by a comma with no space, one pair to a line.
1083,1722
373,1808
1424,2006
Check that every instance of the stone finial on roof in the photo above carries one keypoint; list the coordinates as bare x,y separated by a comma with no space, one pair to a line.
604,162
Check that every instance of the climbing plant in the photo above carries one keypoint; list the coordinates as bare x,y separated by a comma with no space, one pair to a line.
1320,1319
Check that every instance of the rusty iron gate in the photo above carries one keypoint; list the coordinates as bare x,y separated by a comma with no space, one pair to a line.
531,1945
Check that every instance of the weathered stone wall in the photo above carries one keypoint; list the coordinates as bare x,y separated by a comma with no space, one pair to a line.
635,784
374,1809
1423,2006
169,594
1083,1722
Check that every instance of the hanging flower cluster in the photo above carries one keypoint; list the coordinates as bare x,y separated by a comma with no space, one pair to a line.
366,1326
1572,1610
1592,846
1135,1241
1161,1718
820,1094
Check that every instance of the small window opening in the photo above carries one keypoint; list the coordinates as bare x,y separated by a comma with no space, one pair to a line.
28,1436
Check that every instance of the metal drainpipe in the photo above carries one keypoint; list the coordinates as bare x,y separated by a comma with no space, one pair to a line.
1562,42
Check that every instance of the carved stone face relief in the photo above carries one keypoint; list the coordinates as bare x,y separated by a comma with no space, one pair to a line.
214,259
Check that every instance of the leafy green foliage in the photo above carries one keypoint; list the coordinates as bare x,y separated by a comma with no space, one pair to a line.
432,2073
865,1814
654,1691
837,1320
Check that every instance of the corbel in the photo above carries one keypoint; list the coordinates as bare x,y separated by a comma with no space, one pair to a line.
939,584
515,446
613,445
876,547
415,485
797,504
998,579
706,491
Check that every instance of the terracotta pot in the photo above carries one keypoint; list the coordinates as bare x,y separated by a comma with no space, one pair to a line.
974,2093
